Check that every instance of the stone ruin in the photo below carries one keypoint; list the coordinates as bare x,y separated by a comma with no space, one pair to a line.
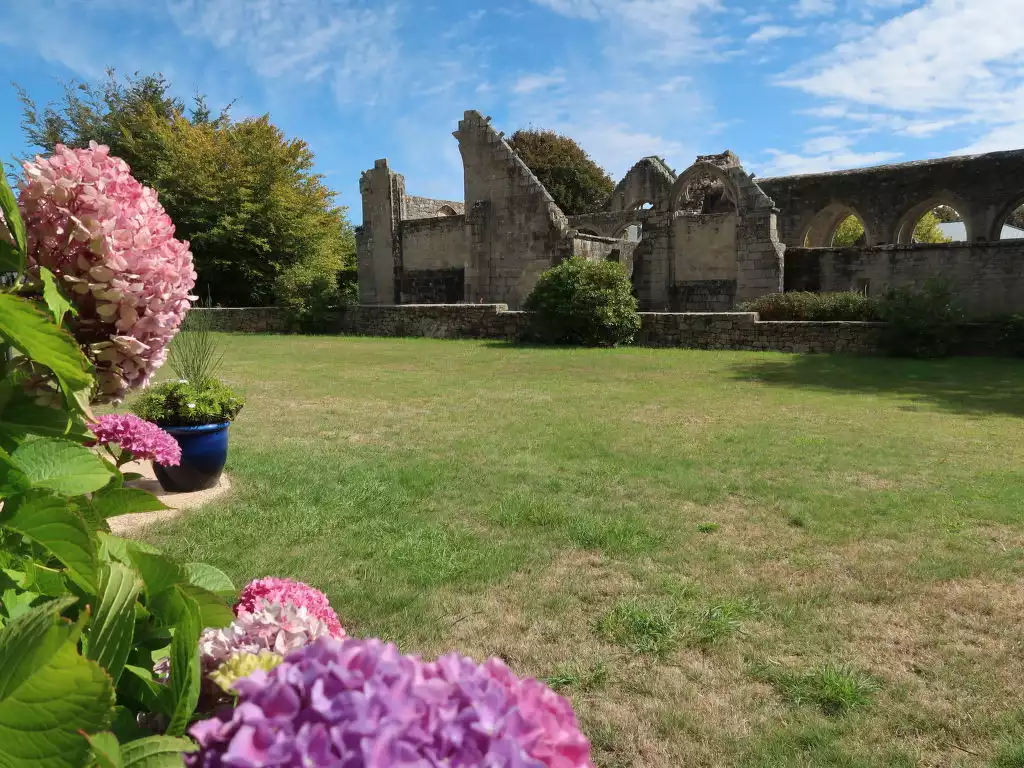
700,241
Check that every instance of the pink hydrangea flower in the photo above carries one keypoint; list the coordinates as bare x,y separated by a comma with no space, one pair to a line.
142,439
363,704
275,590
108,238
277,627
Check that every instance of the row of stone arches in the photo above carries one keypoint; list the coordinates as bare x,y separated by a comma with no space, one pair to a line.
941,218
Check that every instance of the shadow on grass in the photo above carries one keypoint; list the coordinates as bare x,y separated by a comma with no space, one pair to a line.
963,385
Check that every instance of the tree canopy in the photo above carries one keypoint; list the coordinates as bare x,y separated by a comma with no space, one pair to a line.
575,181
241,192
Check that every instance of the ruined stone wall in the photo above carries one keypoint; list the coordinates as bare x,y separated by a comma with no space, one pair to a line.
435,243
593,248
516,229
428,208
988,278
890,199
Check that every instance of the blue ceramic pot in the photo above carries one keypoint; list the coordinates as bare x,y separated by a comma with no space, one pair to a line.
204,449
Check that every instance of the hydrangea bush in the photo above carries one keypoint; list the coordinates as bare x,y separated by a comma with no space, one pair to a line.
109,241
137,439
363,703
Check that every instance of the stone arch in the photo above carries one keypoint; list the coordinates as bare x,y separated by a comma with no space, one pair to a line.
648,181
904,234
446,210
682,190
821,229
589,231
996,232
642,205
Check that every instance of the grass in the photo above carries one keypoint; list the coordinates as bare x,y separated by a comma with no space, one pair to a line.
834,688
667,516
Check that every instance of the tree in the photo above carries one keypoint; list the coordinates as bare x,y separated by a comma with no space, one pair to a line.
575,181
243,194
851,232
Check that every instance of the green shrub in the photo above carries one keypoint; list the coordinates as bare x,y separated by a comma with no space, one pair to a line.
819,307
307,294
186,403
920,323
1011,334
583,302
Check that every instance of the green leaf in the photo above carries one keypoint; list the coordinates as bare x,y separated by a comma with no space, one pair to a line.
106,750
11,259
33,333
139,684
21,417
159,572
12,479
213,609
49,694
53,522
15,224
156,752
213,579
125,501
110,636
54,297
185,671
61,465
115,548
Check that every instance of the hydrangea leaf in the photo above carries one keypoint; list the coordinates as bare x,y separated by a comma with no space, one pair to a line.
61,465
213,579
110,635
185,669
52,522
22,416
34,334
213,609
49,694
11,259
54,297
14,224
156,752
111,502
137,683
159,572
106,750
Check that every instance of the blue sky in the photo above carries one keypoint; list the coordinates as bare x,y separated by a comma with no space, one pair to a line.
791,86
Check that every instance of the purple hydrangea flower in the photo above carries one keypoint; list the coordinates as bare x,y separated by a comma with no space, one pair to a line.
138,437
364,704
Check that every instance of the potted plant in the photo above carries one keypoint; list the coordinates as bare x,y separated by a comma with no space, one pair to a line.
196,410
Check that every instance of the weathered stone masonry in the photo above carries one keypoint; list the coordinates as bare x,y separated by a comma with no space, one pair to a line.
703,240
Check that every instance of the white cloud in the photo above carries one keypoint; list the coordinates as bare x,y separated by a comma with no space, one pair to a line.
944,64
771,32
349,45
793,164
531,83
805,8
651,29
756,19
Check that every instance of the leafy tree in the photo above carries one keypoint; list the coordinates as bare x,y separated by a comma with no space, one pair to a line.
575,181
243,194
851,232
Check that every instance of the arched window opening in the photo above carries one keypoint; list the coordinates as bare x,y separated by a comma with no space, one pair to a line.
446,210
836,226
941,224
1013,227
849,233
647,205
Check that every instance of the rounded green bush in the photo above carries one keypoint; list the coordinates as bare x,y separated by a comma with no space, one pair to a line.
583,302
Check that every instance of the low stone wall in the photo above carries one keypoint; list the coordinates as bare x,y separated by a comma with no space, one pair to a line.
742,330
692,330
244,319
437,321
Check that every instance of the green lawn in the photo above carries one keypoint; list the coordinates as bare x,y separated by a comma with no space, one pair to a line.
723,558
